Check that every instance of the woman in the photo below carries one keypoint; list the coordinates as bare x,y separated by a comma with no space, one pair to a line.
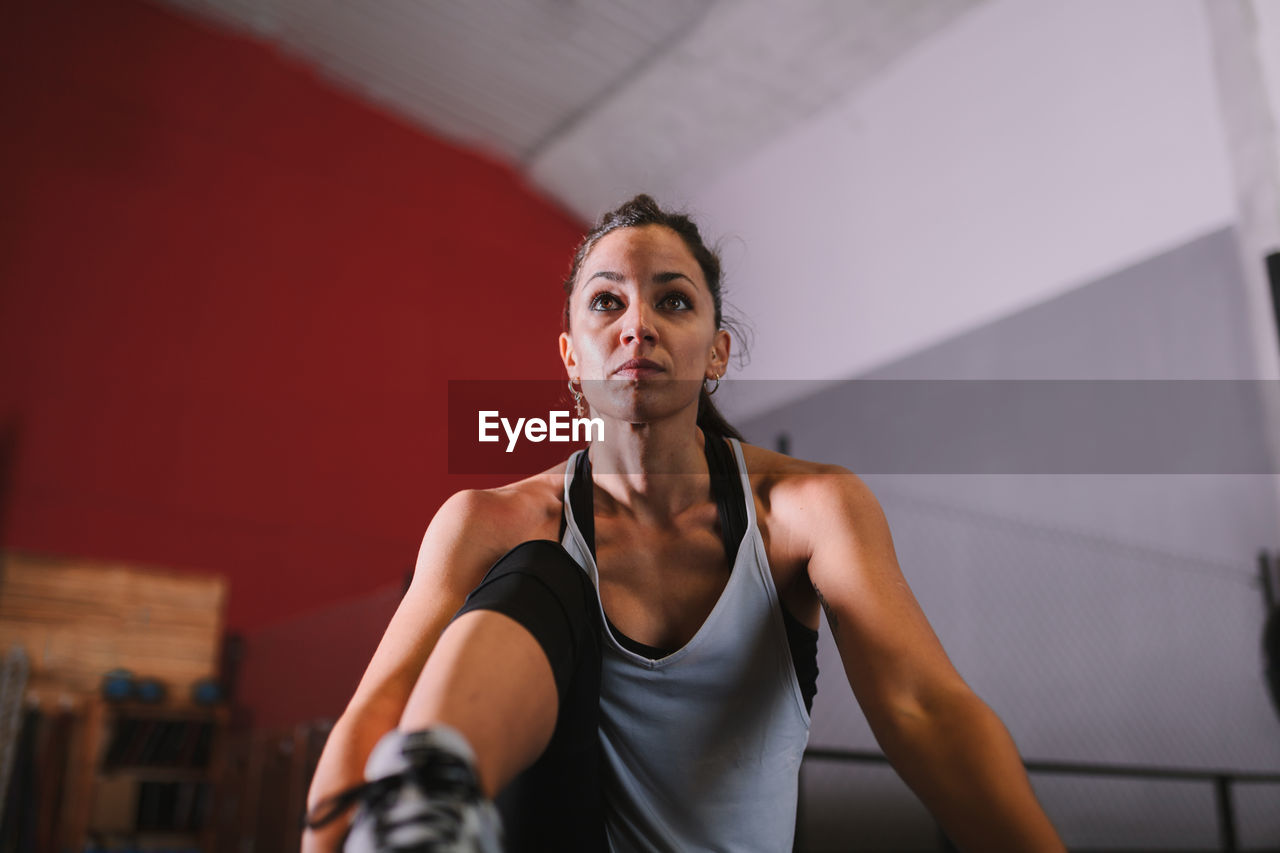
647,680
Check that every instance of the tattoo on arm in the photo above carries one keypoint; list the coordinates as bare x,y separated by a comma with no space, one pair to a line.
831,614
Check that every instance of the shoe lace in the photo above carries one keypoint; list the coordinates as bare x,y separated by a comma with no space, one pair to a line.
447,779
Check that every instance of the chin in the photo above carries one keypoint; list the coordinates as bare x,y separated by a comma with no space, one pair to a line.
643,401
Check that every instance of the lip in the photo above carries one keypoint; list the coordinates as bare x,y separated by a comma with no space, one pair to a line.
638,368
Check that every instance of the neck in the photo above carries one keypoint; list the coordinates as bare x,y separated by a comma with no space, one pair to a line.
655,469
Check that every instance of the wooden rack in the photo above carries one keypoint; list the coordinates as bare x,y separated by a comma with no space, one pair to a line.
139,774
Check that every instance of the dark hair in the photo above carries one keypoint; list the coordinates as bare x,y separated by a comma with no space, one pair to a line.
638,212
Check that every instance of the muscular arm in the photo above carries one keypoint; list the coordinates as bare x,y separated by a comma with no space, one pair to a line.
944,741
457,550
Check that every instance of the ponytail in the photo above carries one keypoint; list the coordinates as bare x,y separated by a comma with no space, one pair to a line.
710,420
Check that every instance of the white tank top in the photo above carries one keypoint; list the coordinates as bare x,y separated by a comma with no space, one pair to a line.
702,747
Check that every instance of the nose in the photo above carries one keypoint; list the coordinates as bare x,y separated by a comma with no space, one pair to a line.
637,324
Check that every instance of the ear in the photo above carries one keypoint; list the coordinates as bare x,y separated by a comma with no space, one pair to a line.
568,356
719,354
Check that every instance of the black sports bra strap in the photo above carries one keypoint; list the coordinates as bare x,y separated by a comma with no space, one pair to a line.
726,487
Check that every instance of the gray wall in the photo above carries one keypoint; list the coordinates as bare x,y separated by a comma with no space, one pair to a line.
1106,617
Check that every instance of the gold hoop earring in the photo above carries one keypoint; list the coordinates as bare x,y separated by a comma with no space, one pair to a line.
714,388
578,405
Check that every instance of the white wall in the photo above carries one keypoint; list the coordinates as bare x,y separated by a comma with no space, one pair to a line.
1026,149
1106,617
1266,15
1029,150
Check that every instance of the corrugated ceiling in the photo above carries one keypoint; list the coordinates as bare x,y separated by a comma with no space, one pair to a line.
598,98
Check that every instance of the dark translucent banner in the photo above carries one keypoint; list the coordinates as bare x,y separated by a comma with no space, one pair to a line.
520,427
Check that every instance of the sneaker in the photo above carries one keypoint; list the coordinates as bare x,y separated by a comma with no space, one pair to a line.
422,797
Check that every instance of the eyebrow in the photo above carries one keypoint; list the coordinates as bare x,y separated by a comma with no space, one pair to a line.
659,278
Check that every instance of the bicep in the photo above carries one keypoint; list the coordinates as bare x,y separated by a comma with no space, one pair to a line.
891,655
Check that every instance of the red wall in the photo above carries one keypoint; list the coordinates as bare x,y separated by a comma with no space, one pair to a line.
230,299
307,667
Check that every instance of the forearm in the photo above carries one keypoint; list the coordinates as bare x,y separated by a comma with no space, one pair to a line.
341,766
962,763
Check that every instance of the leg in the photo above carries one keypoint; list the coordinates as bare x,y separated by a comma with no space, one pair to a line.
558,802
489,679
517,674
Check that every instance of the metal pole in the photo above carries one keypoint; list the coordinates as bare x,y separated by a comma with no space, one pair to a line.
1226,813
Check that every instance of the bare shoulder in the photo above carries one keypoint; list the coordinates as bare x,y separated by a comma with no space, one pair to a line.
802,502
522,509
784,483
474,527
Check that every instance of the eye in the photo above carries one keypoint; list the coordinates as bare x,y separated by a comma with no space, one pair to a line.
604,302
677,301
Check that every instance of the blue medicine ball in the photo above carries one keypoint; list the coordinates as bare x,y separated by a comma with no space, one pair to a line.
117,685
149,690
206,691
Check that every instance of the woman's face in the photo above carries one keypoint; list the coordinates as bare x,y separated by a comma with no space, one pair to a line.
640,316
